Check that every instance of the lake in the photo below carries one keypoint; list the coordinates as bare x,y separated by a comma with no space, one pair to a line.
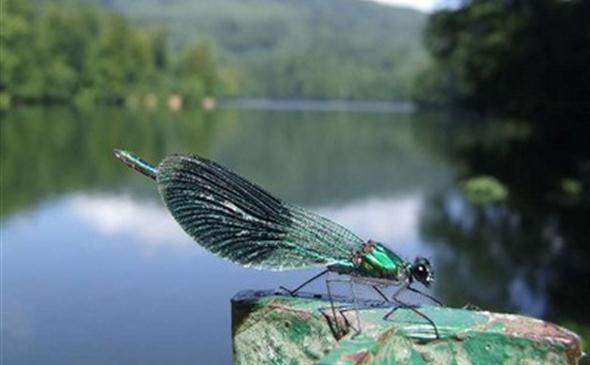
95,270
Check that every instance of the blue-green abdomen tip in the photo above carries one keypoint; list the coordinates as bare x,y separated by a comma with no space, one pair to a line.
137,163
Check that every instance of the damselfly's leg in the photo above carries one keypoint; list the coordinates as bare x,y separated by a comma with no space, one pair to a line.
354,301
413,308
332,307
294,291
341,309
412,290
329,313
425,295
356,306
336,329
400,303
380,293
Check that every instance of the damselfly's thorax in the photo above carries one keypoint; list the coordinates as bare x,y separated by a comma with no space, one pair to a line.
376,263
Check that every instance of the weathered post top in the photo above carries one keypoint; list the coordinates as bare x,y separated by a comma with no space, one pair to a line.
273,328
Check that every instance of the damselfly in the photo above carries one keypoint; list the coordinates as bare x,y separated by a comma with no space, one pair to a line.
239,221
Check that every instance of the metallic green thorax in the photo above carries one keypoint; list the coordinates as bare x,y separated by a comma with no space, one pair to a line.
375,261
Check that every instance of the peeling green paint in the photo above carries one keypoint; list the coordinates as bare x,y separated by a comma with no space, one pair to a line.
416,358
298,329
277,329
485,350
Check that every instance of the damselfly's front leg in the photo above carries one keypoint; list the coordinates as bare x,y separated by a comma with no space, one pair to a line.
433,299
408,287
381,294
403,305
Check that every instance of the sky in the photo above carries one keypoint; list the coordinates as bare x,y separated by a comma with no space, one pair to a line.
424,5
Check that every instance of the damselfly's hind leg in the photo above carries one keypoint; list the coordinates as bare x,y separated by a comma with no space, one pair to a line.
342,309
294,291
338,325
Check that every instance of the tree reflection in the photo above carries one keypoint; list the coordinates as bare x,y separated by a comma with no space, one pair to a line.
529,253
45,152
307,158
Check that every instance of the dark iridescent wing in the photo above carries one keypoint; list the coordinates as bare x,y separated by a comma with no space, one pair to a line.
237,220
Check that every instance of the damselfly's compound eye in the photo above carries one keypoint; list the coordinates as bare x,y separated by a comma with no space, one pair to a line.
422,271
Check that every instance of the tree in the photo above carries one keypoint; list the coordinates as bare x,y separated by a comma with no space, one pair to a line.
515,56
66,50
196,71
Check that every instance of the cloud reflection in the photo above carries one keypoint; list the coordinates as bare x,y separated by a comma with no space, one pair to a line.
109,214
384,220
387,220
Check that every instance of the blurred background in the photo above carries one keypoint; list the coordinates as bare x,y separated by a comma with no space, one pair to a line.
456,130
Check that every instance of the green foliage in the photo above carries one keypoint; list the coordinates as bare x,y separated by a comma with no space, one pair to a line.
197,62
298,48
514,56
63,51
484,189
571,186
82,51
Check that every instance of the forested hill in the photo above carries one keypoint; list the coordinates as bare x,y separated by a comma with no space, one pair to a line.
297,48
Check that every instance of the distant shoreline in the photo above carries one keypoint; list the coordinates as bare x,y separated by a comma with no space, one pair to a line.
400,106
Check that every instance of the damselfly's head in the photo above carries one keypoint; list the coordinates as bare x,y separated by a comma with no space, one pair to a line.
421,271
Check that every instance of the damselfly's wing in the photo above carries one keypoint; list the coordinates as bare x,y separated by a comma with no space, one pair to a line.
237,220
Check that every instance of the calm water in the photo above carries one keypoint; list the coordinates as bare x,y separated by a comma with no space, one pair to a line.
95,271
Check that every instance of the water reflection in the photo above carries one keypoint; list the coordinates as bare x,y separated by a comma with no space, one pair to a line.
111,215
304,157
96,271
398,217
47,152
528,254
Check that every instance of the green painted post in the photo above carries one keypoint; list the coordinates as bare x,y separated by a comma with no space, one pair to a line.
271,328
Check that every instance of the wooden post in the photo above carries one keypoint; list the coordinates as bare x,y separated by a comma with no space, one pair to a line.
274,328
